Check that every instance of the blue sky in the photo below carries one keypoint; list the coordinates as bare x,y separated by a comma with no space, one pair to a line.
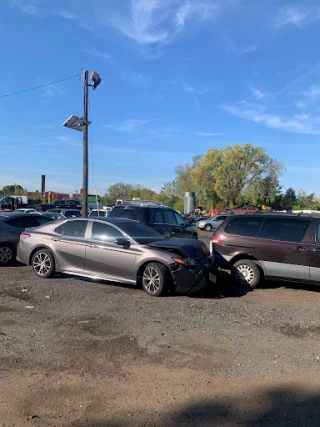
178,77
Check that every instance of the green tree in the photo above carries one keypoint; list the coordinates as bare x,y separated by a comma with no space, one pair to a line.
120,190
14,189
289,199
305,200
234,173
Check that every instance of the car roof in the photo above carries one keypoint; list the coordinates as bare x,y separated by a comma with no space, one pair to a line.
273,215
14,214
143,207
105,219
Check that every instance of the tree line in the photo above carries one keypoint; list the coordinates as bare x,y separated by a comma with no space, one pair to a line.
221,178
224,178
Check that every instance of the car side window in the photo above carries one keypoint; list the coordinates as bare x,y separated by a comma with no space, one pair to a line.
248,227
318,233
158,217
179,219
285,229
41,220
104,232
72,228
15,222
169,217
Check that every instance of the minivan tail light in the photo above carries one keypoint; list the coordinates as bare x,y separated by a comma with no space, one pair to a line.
25,235
216,240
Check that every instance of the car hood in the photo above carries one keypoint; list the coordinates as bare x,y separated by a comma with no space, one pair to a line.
189,248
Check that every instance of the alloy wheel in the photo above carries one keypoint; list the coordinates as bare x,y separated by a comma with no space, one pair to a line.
5,254
151,280
41,264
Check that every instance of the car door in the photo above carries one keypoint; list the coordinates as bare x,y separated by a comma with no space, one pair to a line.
315,252
281,248
69,245
171,223
106,259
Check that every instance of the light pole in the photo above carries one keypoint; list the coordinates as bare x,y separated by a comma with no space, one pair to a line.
81,124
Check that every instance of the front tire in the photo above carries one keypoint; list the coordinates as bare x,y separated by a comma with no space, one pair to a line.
43,263
208,227
246,273
155,278
7,254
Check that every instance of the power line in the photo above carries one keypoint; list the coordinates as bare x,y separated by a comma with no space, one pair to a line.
39,87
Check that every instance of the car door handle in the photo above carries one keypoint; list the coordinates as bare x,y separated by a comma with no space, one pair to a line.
55,240
92,246
316,250
301,249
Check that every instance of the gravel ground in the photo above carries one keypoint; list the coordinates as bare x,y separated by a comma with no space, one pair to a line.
88,353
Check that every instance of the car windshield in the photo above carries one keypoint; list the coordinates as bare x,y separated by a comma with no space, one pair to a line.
141,233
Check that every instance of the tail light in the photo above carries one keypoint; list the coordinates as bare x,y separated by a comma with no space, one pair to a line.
216,240
25,235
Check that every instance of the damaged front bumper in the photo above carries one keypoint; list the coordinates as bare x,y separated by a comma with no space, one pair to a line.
187,279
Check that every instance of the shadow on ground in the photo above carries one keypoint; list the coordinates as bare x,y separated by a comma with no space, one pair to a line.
287,407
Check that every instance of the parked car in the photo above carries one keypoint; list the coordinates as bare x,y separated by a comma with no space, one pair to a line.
274,246
62,204
118,250
11,226
25,210
198,218
99,213
211,223
165,220
67,213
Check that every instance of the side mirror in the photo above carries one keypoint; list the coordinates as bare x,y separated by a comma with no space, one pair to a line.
122,241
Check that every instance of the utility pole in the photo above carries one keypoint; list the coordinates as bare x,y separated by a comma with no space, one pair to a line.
85,146
81,124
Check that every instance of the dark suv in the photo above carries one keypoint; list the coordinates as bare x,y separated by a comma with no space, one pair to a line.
62,204
275,246
165,220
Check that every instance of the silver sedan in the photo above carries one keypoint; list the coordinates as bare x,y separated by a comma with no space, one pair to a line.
118,250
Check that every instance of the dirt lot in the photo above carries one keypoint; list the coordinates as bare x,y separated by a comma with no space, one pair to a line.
91,354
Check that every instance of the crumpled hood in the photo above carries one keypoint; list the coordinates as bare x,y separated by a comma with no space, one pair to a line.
189,248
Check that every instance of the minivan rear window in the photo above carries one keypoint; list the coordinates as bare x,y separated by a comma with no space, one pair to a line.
244,226
284,229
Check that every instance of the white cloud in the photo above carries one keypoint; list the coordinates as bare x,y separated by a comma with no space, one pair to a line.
127,125
200,10
290,16
50,92
159,22
256,92
302,124
313,92
68,141
29,7
66,15
99,54
200,90
207,134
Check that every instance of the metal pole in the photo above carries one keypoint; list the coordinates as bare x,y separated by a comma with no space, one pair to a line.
85,147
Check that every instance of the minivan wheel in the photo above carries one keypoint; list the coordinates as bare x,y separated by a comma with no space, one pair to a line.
7,254
43,263
246,272
208,227
155,278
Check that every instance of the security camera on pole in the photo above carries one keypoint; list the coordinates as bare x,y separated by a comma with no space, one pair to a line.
81,124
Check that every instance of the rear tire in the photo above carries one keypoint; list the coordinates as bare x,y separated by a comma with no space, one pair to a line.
246,273
208,227
155,278
43,263
7,254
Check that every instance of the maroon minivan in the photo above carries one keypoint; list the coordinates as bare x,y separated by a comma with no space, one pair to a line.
275,246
